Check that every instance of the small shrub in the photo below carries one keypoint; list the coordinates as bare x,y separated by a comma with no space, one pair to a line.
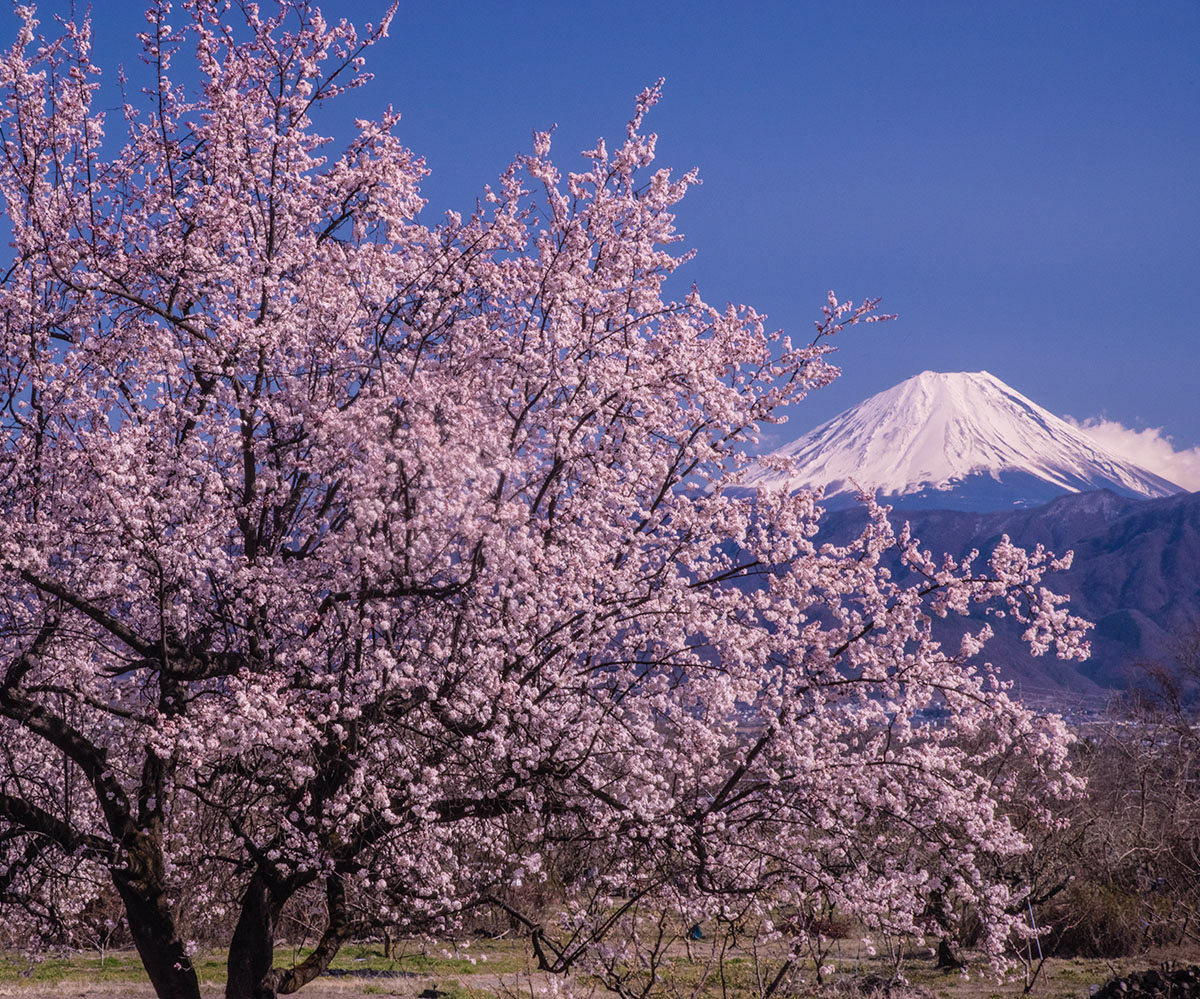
1091,920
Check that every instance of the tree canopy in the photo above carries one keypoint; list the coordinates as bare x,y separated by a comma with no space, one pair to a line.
381,566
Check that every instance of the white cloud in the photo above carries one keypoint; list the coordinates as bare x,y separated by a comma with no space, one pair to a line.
1150,448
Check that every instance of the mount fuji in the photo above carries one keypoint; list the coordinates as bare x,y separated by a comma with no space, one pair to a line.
963,441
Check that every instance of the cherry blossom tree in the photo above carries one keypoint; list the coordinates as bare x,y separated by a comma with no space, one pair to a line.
353,558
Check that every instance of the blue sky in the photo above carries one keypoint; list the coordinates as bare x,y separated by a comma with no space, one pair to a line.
1019,181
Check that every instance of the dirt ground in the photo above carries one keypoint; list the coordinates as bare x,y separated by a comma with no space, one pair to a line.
323,988
357,989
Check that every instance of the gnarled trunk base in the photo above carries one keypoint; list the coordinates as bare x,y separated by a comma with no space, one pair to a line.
153,930
252,950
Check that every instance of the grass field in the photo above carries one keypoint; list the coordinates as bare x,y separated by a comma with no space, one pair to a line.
503,969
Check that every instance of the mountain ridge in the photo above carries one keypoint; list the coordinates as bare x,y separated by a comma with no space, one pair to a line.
1134,576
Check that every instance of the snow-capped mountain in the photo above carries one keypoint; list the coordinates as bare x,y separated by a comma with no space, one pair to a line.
959,440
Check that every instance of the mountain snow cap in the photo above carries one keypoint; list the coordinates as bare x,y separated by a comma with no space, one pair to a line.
959,439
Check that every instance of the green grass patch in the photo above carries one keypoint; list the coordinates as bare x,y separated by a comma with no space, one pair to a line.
428,960
119,966
448,968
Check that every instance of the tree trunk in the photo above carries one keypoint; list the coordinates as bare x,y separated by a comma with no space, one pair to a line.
337,928
153,929
252,950
947,960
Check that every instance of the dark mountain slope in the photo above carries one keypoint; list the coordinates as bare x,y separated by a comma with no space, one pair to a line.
1136,575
